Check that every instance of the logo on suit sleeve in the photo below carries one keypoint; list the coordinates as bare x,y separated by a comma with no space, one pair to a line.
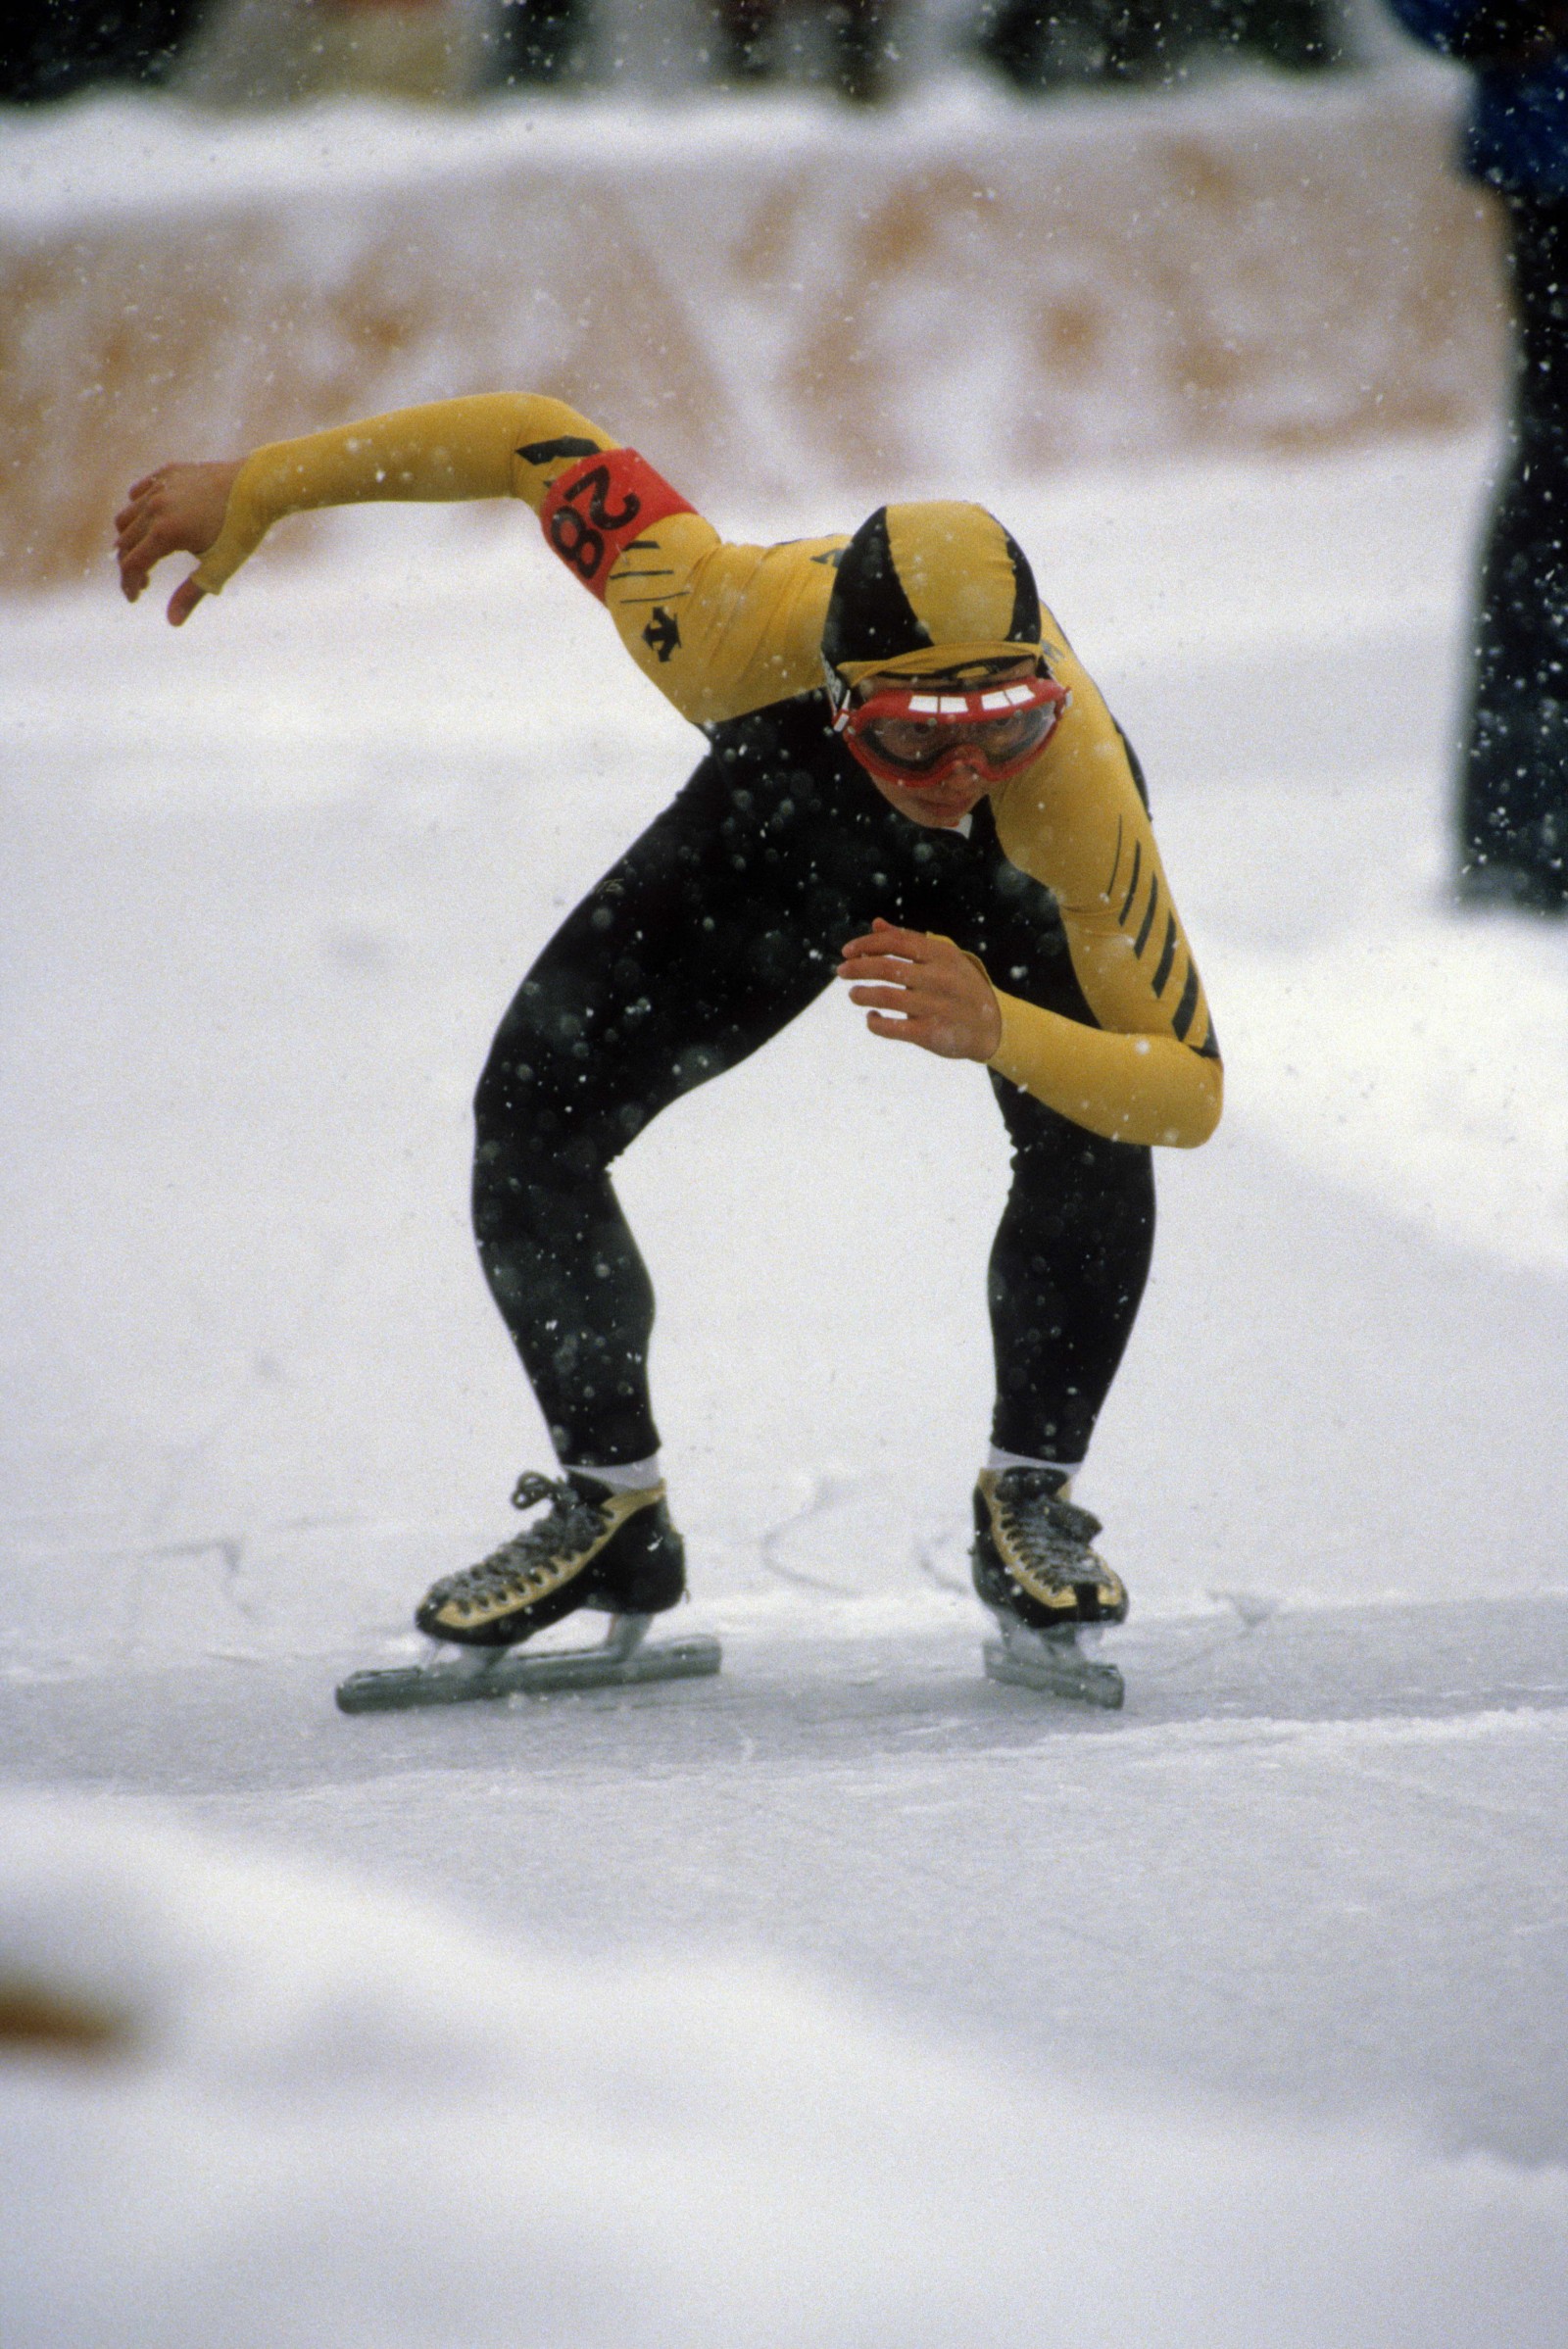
662,633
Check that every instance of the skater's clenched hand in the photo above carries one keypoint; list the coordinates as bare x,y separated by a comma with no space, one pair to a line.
924,991
177,510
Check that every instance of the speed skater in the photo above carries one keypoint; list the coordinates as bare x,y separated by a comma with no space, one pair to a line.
909,783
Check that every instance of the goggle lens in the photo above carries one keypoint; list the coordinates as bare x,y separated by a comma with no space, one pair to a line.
910,734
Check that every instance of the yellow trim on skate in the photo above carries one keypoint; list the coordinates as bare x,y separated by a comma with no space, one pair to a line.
1062,1597
536,1583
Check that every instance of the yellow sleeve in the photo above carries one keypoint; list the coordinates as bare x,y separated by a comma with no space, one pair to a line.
1151,1071
722,629
495,445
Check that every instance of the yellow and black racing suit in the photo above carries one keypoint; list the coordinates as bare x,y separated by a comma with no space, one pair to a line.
728,916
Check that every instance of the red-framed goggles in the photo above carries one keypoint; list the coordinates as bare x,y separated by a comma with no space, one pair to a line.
915,734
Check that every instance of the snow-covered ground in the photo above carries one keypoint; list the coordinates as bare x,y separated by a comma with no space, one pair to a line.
332,2118
1237,2016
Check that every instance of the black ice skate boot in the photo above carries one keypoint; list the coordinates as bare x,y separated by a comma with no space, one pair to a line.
1032,1557
616,1552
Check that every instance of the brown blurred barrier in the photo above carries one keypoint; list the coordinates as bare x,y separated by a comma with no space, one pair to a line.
936,297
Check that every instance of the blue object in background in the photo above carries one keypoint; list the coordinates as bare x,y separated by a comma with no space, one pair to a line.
1518,133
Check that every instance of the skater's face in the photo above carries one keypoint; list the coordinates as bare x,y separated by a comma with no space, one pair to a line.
942,799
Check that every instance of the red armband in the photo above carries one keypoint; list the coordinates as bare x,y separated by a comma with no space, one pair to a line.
595,510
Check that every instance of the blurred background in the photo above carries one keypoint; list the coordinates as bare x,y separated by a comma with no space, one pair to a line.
263,52
767,238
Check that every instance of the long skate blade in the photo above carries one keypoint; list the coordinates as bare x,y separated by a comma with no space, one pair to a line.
513,1675
1054,1665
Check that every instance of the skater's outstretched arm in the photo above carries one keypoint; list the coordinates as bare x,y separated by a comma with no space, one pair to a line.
450,449
720,628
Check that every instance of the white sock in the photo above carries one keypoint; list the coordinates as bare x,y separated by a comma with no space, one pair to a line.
996,1460
635,1476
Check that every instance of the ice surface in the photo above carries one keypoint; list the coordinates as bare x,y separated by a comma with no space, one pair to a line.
271,881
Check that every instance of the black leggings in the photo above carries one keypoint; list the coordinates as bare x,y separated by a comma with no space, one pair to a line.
1514,788
713,931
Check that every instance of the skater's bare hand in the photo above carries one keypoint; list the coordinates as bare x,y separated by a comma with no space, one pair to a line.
924,991
176,510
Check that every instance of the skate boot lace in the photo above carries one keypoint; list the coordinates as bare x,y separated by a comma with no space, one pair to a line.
572,1523
1050,1534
